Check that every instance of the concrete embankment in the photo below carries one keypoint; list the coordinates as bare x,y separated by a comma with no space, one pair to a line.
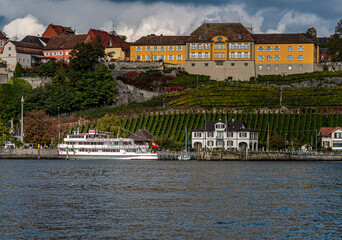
252,156
209,156
28,154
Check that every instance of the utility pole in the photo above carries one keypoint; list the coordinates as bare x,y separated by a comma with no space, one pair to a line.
285,140
316,141
268,136
22,119
59,128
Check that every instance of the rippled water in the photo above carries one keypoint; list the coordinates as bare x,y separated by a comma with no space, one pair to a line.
170,200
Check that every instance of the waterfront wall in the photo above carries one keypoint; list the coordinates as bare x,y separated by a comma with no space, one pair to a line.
28,153
201,156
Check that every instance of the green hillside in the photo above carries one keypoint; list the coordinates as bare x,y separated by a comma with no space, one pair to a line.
301,128
254,96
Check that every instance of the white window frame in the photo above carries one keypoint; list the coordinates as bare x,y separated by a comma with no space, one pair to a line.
276,58
179,48
155,48
148,58
260,58
192,55
139,58
232,55
162,48
300,48
207,46
170,48
269,58
276,67
192,46
246,46
289,58
138,48
148,48
232,46
206,55
300,57
200,46
179,57
276,49
260,49
290,48
260,67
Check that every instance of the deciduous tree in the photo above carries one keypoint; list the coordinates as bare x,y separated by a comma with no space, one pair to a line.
39,127
109,123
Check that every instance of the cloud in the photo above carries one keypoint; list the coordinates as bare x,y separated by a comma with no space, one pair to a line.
294,21
136,19
20,27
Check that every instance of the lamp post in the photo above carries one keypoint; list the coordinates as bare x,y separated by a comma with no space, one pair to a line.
59,128
285,140
22,119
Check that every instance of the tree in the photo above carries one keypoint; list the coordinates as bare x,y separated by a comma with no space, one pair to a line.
277,142
18,72
109,123
311,32
85,56
335,44
338,28
39,127
48,69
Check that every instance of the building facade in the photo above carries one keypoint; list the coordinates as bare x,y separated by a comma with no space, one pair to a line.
331,137
230,135
60,47
27,54
3,40
228,51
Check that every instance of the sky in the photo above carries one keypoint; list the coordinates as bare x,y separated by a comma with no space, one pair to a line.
135,19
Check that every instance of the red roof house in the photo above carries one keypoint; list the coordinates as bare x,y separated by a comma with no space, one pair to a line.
57,30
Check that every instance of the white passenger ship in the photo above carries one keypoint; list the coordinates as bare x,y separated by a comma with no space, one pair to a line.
94,145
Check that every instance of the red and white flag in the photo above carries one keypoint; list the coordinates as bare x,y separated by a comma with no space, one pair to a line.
154,145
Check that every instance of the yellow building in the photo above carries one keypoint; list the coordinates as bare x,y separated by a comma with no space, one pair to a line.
152,48
284,53
230,51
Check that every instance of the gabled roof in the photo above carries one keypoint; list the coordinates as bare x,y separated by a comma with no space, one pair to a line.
281,38
109,41
119,43
38,40
105,37
161,40
61,30
220,28
65,42
141,135
28,48
234,32
236,126
3,35
326,131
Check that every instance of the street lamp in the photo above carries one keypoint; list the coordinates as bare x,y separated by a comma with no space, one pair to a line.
22,119
285,140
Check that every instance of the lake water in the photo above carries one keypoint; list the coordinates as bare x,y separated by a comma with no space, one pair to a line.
100,199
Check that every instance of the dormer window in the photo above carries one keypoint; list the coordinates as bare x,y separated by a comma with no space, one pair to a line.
220,126
239,37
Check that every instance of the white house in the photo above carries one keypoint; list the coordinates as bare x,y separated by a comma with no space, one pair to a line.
24,53
331,137
228,135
